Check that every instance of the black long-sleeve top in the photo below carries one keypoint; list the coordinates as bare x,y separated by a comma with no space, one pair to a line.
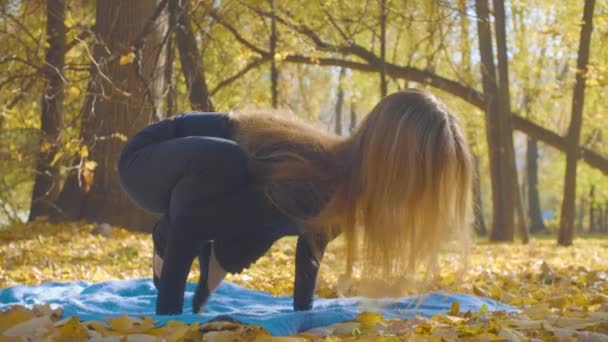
238,252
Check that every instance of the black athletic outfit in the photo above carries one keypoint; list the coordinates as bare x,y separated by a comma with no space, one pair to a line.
188,169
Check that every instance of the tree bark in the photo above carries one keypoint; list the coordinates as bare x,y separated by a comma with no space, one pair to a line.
480,223
190,58
124,96
46,182
339,102
534,212
506,126
501,169
566,227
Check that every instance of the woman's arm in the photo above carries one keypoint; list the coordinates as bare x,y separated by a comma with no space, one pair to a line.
309,253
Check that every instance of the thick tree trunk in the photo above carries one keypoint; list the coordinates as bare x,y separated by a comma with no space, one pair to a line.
339,103
190,58
124,96
46,183
534,212
566,227
501,169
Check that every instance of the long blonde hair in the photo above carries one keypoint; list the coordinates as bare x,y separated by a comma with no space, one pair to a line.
399,187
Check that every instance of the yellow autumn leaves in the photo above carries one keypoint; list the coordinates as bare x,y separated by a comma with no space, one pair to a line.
43,324
562,292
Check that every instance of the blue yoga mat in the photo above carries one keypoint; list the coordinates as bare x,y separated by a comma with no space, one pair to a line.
137,297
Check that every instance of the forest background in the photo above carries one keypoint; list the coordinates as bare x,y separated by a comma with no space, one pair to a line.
77,78
526,78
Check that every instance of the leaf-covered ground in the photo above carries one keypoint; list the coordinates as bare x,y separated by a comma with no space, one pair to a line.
562,292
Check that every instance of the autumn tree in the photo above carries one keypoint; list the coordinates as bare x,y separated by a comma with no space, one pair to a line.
566,227
190,56
498,128
46,182
124,95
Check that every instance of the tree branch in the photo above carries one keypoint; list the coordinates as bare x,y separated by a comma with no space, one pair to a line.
375,64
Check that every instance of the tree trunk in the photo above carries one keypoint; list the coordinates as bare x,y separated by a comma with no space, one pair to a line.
124,96
274,72
534,212
480,223
566,227
339,102
504,104
190,58
592,225
600,218
466,67
170,90
500,165
581,214
46,183
353,117
383,15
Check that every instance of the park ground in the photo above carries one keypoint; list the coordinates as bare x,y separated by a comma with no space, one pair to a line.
562,291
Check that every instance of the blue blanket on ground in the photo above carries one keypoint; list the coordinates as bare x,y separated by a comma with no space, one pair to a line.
96,301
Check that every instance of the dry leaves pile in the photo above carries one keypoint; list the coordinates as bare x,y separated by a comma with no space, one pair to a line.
562,292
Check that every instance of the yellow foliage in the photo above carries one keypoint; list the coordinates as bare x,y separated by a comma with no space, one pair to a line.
561,292
369,319
70,330
127,59
73,94
14,316
131,325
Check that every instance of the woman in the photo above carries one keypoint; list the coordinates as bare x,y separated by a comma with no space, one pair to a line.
229,185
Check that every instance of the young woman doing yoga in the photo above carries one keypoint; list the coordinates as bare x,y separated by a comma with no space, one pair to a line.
229,185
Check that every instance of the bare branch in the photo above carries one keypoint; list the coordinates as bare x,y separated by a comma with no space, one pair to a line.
375,64
254,64
215,15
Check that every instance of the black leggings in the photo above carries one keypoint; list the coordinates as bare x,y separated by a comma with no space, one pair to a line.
203,190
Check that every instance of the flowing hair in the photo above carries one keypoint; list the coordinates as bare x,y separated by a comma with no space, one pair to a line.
399,188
